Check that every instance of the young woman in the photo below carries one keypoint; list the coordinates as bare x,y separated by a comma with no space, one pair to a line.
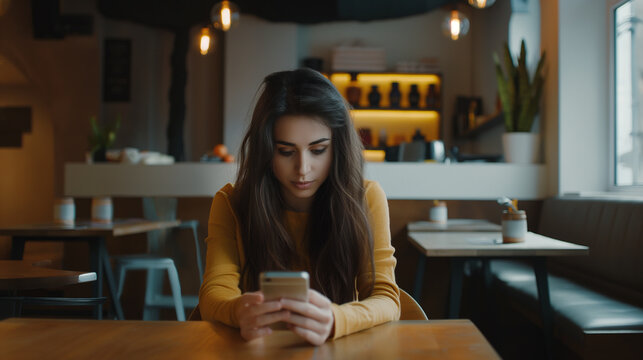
300,203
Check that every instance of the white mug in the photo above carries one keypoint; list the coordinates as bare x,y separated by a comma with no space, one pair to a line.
102,209
64,211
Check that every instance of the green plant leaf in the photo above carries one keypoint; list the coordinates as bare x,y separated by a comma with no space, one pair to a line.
503,92
519,93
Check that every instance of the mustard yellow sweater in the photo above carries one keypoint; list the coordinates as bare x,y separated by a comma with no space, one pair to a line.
225,257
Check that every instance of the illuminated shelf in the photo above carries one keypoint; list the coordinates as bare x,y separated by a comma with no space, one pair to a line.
400,122
396,122
383,82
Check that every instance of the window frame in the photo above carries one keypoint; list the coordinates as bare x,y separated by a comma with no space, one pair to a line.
612,5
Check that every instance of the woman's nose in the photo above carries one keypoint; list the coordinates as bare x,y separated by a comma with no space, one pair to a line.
303,166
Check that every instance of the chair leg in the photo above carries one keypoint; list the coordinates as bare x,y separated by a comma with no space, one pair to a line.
176,293
153,286
120,278
197,249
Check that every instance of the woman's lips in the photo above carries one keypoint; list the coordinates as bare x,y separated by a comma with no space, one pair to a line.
302,185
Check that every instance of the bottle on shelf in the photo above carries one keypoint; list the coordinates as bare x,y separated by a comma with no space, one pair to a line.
353,91
395,96
417,136
414,96
381,140
366,137
374,97
433,97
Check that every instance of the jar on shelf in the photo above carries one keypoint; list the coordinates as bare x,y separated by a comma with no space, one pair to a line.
395,96
374,97
353,91
414,96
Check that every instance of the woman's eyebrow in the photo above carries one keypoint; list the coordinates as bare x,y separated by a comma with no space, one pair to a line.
319,141
285,143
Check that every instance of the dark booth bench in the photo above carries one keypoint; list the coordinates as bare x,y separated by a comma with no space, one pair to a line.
597,300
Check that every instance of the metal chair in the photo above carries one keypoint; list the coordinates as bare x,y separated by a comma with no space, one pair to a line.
156,264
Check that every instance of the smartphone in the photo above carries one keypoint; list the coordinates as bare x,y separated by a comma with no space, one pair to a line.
284,284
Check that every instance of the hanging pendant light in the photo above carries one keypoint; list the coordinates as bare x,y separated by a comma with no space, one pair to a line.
481,4
455,25
224,15
205,40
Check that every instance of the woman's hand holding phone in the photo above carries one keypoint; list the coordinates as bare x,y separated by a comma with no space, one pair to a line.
255,315
312,320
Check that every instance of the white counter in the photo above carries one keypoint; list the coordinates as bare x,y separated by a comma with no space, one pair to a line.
472,181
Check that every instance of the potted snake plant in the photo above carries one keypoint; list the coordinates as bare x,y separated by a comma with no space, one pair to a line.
520,98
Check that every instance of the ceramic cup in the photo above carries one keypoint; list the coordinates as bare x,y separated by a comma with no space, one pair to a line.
64,211
438,213
102,210
514,226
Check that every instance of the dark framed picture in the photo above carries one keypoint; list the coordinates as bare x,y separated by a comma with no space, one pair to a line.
117,59
467,108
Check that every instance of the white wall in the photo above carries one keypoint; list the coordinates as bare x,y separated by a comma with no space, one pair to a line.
584,120
406,39
257,47
254,49
145,116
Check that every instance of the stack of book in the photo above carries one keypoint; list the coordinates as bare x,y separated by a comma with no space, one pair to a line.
358,59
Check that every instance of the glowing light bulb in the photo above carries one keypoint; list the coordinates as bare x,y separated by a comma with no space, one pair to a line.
204,42
226,19
455,25
455,28
481,4
224,15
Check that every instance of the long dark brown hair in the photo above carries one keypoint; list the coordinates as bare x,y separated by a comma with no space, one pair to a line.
338,235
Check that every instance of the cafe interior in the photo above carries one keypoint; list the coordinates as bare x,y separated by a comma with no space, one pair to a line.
506,135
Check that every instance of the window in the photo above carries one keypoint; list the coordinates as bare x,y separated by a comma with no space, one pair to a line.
628,94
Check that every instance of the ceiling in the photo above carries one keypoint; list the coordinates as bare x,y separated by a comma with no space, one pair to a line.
180,14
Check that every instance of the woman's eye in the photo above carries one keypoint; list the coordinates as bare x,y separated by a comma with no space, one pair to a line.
285,152
318,151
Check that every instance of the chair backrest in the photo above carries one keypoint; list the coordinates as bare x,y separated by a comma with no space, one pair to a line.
410,309
195,315
160,209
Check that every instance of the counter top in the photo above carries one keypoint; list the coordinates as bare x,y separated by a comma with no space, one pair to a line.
418,181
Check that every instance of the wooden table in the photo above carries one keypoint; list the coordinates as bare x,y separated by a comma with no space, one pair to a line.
91,339
454,225
463,246
21,274
95,235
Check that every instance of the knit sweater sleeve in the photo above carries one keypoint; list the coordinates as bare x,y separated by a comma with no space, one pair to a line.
383,303
220,291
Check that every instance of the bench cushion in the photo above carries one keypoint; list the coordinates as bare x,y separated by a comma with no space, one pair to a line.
576,308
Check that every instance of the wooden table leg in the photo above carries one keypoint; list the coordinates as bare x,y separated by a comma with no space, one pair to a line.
17,248
419,277
540,269
96,266
455,287
488,307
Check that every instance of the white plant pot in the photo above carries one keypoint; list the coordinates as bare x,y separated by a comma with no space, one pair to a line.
521,147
